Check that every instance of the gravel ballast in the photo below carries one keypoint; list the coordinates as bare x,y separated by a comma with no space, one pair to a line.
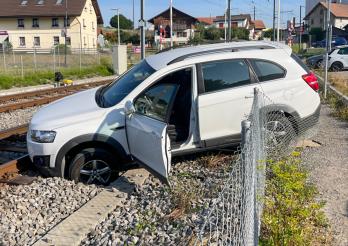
157,215
27,212
16,118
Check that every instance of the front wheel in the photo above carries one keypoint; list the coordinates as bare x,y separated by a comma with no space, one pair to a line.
336,67
93,166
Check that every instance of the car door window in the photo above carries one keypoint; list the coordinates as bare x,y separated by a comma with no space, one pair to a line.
267,70
225,74
343,51
156,101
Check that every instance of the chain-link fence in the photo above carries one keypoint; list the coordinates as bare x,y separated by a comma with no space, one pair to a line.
233,218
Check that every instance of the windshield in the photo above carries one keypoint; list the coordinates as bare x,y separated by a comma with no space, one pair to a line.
117,90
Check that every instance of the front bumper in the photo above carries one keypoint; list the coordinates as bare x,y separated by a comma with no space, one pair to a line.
43,156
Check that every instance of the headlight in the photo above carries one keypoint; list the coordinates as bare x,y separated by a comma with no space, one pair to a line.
42,136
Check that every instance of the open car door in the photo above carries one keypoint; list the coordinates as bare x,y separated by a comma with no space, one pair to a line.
146,128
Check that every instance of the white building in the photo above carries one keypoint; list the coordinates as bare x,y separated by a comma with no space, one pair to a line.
40,24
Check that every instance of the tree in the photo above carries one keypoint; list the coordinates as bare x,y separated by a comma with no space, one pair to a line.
212,33
317,32
124,22
240,33
268,33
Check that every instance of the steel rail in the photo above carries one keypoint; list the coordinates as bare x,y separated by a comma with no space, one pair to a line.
18,130
15,166
50,91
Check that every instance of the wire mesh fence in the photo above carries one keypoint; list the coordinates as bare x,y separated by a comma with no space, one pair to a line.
268,134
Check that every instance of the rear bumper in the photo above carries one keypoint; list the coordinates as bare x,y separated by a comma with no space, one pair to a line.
306,123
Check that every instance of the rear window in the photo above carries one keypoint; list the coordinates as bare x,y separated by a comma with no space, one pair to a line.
267,70
300,62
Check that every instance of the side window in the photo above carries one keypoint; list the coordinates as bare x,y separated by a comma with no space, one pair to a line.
266,70
156,101
343,51
225,74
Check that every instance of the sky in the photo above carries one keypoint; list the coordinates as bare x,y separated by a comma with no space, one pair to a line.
205,8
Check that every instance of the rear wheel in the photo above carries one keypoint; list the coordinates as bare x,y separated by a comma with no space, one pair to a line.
279,132
93,166
337,66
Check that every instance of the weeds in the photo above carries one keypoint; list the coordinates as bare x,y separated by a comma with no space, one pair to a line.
291,215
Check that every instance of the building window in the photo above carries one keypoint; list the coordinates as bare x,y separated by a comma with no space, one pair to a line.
56,40
312,21
91,9
68,41
35,22
40,2
92,25
22,41
84,41
55,22
84,22
93,42
67,21
321,20
37,41
221,25
234,24
59,2
20,22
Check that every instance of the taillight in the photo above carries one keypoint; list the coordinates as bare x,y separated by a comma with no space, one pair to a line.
311,80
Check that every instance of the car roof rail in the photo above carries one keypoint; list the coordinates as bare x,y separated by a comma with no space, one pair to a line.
219,50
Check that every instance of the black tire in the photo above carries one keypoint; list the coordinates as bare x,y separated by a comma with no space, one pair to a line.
319,64
280,131
93,166
336,67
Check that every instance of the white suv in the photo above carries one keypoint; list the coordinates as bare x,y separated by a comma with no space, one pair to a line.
176,102
338,58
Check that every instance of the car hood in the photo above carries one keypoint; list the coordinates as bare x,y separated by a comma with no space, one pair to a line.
68,110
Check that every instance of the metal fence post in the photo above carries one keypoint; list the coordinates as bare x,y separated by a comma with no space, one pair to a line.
245,168
22,69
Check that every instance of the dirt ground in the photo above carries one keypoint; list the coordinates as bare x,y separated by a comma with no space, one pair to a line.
329,171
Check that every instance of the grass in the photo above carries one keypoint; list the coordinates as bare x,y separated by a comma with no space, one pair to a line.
292,215
340,110
340,82
47,76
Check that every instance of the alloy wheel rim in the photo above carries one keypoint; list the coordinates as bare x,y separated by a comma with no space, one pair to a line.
276,133
95,171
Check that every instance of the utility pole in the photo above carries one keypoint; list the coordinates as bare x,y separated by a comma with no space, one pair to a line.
254,10
229,20
274,33
133,17
278,24
118,26
65,32
300,43
328,45
142,29
171,22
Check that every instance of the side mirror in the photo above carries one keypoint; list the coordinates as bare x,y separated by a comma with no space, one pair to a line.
129,108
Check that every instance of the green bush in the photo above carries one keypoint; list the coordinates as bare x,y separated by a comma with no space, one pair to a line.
291,215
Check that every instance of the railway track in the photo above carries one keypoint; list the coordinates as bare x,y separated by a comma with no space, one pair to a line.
13,167
40,97
18,130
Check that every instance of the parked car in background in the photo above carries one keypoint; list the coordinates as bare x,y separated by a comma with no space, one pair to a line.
336,41
176,102
316,61
338,58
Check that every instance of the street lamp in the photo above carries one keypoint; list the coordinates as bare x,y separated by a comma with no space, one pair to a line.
118,25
